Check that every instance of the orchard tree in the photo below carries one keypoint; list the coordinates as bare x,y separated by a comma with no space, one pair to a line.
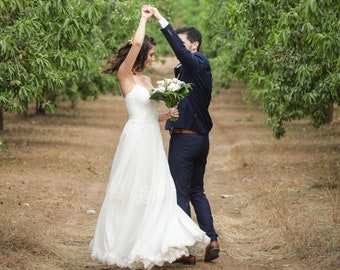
43,45
52,50
38,43
287,52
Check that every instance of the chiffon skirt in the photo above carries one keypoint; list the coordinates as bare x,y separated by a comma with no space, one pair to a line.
140,224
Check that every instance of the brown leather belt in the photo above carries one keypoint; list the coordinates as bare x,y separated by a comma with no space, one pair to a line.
182,131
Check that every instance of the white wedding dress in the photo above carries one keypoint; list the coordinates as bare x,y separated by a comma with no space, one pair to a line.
140,224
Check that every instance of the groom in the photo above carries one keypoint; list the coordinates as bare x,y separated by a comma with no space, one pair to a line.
189,143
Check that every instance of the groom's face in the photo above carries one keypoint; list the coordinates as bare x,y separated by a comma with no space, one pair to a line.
192,47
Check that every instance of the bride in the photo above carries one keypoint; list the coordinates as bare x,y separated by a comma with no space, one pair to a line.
140,224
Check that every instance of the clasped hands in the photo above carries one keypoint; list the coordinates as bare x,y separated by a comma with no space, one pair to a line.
150,11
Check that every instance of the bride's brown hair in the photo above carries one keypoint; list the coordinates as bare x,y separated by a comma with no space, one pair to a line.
113,63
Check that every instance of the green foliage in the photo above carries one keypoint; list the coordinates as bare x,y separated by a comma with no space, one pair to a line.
190,12
288,53
43,45
52,50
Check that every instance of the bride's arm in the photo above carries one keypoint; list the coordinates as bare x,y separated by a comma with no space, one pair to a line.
124,73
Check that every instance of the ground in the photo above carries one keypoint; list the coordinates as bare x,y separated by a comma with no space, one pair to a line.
275,202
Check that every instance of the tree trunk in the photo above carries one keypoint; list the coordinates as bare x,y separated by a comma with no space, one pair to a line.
330,110
25,113
39,110
1,118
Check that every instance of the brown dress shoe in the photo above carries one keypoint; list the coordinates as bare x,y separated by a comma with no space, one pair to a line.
189,260
212,251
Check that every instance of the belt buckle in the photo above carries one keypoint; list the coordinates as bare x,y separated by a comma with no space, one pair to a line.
171,130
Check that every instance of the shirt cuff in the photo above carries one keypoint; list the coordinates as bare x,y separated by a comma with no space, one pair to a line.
163,22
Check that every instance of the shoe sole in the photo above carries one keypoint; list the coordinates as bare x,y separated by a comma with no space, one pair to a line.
213,254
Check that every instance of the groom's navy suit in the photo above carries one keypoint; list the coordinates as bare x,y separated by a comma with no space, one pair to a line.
189,143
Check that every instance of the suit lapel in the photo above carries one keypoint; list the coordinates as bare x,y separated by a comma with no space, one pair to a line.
177,70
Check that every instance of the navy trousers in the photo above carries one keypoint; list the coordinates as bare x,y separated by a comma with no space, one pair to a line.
187,160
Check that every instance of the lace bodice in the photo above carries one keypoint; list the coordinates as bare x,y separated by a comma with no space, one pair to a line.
139,105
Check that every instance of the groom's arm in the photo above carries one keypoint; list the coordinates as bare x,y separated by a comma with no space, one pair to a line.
181,52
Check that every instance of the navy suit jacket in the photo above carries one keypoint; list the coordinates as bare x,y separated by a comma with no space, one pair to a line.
193,68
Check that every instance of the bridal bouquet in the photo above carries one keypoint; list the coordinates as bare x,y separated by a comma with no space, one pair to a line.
171,91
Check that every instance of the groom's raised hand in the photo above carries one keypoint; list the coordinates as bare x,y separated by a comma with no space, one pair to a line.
156,15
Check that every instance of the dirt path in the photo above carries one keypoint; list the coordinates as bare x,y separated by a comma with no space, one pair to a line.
55,168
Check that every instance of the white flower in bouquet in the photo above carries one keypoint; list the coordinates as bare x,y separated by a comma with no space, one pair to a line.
171,91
